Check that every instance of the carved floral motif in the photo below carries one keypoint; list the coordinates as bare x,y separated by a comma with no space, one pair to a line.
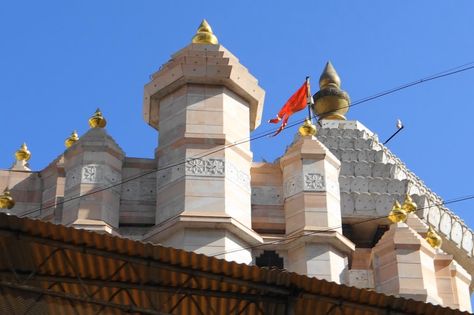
314,182
90,174
205,167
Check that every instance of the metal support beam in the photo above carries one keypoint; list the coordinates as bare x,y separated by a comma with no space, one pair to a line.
70,297
176,290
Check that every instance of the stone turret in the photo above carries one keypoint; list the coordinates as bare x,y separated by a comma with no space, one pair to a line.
312,208
93,162
202,101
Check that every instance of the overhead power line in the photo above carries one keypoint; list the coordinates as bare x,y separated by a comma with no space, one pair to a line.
445,73
330,229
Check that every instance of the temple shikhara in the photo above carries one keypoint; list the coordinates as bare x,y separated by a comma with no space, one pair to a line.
338,205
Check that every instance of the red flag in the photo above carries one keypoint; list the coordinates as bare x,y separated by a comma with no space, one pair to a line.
295,103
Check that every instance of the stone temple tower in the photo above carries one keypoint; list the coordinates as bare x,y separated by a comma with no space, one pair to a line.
202,101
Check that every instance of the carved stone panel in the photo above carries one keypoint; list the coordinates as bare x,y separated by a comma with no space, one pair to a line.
91,174
205,167
314,182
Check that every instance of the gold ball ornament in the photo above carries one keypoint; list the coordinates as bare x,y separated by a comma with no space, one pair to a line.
23,154
204,35
433,238
6,200
408,205
307,128
71,139
97,120
397,214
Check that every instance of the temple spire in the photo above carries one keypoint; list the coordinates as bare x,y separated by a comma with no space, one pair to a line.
204,34
330,102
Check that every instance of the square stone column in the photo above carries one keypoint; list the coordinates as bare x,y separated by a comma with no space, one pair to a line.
312,211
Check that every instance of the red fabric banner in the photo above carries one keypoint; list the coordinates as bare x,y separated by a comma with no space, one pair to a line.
295,103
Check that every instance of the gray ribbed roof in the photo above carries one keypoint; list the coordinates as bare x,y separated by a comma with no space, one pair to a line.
372,177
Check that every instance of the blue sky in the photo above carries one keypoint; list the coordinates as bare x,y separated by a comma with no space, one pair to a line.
59,60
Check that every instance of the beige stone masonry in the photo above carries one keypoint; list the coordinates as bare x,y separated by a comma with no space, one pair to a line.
93,162
203,64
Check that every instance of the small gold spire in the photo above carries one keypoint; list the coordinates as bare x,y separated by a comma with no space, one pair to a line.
97,120
204,34
329,77
330,102
307,128
433,238
71,139
397,214
6,200
409,205
23,154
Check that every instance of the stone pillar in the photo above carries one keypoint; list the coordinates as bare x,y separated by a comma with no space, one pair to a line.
461,280
312,208
403,265
201,101
93,162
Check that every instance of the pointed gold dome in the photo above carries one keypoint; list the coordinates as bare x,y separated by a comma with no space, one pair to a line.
329,77
6,200
409,205
330,102
204,34
23,154
307,129
71,139
97,120
397,214
433,238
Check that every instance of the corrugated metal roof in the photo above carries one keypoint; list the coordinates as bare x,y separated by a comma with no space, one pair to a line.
54,269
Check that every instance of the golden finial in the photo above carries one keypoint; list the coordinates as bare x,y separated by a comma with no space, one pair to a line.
307,129
397,214
204,34
433,238
329,77
409,205
23,154
330,102
71,139
97,120
6,200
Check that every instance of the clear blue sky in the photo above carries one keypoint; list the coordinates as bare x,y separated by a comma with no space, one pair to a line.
59,60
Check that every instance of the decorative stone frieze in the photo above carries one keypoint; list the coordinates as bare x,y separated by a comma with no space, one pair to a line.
205,167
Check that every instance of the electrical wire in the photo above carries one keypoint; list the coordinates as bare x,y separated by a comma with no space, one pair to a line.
260,135
276,242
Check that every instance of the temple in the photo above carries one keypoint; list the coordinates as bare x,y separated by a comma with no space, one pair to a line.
338,205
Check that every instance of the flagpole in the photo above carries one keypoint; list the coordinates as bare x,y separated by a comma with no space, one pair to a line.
309,97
